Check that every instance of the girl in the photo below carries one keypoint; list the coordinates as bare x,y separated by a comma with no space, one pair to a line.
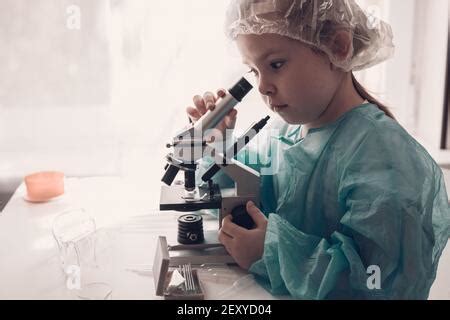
357,208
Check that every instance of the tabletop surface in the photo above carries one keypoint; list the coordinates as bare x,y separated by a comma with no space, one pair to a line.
125,212
30,266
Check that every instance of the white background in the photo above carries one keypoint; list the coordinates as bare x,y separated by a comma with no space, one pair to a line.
104,99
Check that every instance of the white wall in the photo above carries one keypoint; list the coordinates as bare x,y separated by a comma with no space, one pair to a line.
105,98
412,82
55,89
399,82
431,69
102,100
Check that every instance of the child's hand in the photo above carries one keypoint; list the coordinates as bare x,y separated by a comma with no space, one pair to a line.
208,102
245,246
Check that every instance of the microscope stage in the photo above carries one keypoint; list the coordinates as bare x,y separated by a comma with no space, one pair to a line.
172,199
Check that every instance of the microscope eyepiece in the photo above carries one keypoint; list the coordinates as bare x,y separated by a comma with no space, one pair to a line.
223,106
241,89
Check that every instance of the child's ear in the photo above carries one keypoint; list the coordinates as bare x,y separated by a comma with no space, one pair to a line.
341,44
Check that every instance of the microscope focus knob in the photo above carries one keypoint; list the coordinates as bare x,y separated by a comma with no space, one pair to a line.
242,218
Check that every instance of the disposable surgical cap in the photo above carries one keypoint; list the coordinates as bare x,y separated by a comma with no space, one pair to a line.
315,23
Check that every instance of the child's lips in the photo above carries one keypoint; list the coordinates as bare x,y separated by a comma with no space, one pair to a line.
278,108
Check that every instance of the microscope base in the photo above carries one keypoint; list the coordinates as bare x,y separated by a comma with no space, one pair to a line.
211,251
212,256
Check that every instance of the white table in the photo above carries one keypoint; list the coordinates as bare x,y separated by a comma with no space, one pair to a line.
29,259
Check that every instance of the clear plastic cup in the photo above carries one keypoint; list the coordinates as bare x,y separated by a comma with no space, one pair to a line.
83,254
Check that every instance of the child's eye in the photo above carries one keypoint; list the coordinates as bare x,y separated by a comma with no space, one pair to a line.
277,65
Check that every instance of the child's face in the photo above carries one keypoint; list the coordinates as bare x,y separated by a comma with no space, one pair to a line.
293,81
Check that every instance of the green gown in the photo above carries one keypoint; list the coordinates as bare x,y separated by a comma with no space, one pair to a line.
356,210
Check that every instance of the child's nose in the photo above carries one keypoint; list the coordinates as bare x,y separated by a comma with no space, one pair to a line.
266,88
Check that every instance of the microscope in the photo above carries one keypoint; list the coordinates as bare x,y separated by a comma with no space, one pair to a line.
190,146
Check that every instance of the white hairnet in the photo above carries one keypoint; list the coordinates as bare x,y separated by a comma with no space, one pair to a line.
315,22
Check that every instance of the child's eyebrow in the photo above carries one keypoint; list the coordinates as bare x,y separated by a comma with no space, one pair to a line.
263,56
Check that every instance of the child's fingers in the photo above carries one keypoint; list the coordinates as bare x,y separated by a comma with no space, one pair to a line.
221,93
210,100
256,214
193,113
200,104
230,228
230,119
226,240
233,114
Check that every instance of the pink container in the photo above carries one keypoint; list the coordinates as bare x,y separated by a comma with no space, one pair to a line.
43,186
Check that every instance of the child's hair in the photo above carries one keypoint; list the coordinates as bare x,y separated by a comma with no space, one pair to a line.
360,88
359,44
315,23
366,95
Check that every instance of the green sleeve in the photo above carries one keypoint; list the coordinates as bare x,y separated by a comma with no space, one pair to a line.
397,219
